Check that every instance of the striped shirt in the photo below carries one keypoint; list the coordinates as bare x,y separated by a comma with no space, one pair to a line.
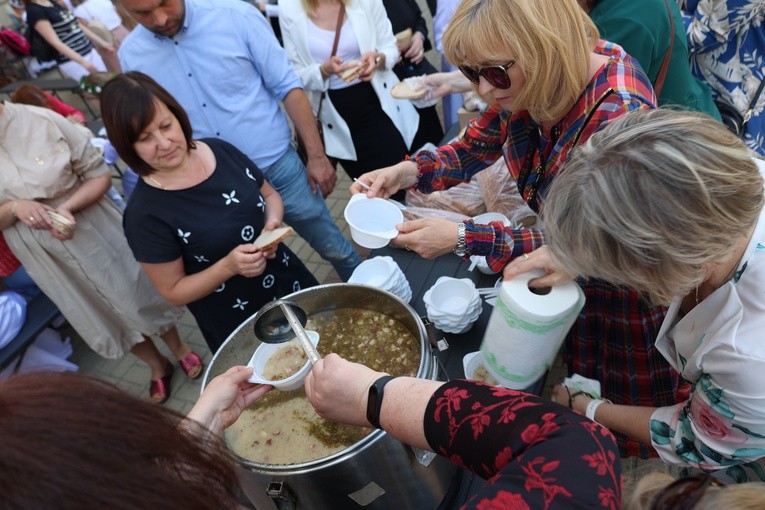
65,25
613,339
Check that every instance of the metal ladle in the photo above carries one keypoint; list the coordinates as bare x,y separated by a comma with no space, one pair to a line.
282,320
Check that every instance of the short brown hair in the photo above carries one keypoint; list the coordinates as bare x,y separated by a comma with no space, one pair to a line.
71,441
128,105
640,202
550,40
32,95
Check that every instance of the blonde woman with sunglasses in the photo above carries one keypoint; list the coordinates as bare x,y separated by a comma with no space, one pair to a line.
551,83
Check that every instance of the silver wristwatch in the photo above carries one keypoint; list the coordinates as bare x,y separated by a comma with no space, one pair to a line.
461,246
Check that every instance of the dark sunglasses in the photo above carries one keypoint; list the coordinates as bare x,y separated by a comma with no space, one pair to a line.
683,494
495,75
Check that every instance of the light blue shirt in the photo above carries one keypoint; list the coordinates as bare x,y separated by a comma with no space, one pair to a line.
228,71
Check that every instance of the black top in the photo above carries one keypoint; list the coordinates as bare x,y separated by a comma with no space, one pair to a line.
201,225
64,23
405,14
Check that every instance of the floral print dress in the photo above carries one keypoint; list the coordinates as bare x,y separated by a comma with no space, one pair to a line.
202,224
718,346
534,454
726,39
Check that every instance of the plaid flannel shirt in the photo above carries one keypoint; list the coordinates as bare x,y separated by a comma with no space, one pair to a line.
612,341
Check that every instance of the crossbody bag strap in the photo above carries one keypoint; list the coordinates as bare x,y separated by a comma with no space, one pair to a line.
338,28
665,65
753,102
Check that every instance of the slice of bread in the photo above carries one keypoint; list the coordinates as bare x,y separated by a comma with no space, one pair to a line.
402,90
268,239
352,72
404,38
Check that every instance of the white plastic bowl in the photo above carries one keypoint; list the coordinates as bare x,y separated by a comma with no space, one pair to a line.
377,272
486,218
451,296
471,362
453,304
372,220
264,352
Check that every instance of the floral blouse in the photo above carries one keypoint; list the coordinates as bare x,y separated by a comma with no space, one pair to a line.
726,39
718,346
534,454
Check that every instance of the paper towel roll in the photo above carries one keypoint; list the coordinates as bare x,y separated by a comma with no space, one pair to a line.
526,330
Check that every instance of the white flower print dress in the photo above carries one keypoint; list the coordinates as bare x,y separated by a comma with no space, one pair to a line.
203,224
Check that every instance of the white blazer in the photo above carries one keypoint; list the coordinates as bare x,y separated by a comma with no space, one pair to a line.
373,32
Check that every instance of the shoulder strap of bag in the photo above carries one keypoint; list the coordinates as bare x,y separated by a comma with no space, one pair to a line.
340,17
665,65
753,102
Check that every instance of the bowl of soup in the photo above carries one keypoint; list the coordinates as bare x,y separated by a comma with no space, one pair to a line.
284,365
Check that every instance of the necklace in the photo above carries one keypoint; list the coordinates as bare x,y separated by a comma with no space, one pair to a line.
149,178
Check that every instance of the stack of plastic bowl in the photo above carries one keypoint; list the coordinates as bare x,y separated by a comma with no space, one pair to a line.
485,219
453,304
383,273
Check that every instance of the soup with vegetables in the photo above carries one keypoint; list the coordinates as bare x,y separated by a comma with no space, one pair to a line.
283,428
285,362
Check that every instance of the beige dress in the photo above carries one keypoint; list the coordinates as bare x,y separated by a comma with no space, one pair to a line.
93,278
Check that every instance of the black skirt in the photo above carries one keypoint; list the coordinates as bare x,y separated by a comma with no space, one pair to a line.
377,141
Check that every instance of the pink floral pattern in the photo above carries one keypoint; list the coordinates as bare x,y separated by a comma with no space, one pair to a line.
535,454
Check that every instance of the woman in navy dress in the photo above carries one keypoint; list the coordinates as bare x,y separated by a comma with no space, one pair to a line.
192,217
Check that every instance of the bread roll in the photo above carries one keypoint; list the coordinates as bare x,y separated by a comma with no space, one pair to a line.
403,90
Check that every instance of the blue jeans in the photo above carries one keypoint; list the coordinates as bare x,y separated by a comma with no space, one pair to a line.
307,213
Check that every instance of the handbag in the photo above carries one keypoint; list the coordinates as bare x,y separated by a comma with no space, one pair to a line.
733,120
300,148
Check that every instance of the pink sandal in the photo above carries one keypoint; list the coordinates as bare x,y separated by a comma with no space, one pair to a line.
159,390
191,365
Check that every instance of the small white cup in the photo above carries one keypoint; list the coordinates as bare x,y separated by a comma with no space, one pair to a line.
372,220
264,352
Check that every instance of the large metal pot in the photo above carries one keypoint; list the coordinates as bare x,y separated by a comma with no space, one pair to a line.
376,473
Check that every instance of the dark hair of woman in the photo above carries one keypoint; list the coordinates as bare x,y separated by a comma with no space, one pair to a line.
126,118
31,94
72,442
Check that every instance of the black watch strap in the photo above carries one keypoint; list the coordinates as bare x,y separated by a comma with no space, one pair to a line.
374,402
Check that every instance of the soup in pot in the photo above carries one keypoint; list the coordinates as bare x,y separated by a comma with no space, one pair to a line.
283,428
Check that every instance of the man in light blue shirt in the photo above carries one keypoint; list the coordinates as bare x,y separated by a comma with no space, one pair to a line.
222,62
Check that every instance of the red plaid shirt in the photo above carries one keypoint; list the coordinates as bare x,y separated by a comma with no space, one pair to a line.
613,339
8,261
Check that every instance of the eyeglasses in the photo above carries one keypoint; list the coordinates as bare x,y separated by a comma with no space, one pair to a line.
683,494
495,75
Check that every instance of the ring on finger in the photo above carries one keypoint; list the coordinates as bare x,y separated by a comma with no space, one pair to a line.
525,256
31,218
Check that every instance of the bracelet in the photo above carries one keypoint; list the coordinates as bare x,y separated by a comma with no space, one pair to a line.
592,405
13,209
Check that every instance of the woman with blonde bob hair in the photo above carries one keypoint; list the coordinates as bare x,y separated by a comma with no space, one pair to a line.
671,204
551,83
